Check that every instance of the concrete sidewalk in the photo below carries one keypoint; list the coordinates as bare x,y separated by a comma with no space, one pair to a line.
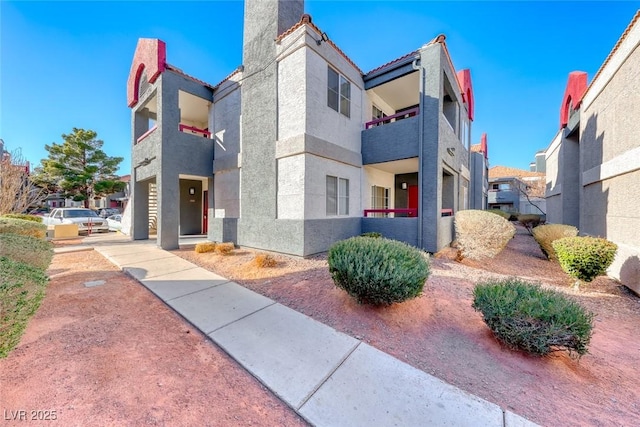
329,378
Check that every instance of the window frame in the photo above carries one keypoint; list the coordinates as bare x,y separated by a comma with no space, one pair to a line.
340,95
337,197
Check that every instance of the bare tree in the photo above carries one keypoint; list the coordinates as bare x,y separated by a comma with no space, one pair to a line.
17,191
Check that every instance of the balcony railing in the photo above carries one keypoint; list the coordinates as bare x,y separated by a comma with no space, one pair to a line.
388,119
144,135
194,130
410,212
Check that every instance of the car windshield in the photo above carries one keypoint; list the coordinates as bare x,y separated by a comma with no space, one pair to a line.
79,213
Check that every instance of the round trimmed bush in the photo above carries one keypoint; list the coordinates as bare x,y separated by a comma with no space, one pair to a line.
527,317
546,234
481,234
585,258
378,271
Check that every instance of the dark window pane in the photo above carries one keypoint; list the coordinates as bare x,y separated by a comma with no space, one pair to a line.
332,99
332,195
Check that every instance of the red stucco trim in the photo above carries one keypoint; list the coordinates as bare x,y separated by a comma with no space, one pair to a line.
464,80
483,145
576,87
150,57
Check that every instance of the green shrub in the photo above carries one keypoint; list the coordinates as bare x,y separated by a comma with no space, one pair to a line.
481,234
32,251
26,217
22,227
527,317
546,234
378,271
585,258
503,214
21,291
529,221
374,234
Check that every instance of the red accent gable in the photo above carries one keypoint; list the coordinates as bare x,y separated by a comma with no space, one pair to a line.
150,58
483,145
576,87
464,80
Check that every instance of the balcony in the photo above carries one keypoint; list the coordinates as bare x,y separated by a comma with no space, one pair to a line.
394,118
395,140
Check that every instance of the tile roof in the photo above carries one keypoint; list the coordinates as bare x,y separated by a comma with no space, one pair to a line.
239,69
506,172
182,73
415,52
476,148
306,20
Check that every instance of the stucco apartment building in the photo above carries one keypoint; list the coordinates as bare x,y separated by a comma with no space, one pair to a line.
298,147
593,163
516,190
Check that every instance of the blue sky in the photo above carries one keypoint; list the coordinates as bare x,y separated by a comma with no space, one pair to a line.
65,64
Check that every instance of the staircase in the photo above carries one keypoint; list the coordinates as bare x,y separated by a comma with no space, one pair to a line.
153,208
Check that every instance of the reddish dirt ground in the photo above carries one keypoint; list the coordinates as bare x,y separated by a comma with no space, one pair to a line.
115,355
441,334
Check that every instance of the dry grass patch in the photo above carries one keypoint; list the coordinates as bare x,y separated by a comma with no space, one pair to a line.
204,247
225,248
263,260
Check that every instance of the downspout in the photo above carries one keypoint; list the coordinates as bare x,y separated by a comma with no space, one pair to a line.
416,66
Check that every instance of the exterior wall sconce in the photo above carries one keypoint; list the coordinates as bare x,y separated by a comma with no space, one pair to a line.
323,38
403,185
192,190
451,151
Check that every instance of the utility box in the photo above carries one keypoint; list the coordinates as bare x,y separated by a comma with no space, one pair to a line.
60,231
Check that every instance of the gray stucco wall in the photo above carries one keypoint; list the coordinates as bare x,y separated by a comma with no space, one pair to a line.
441,146
478,185
403,229
170,153
257,226
393,141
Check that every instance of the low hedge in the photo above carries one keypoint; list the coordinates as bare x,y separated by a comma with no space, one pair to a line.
529,221
27,249
22,288
204,247
481,234
22,227
585,258
527,317
546,234
503,214
26,217
378,271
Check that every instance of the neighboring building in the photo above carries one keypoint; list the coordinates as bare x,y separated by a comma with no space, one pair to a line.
539,164
593,163
516,190
298,147
479,161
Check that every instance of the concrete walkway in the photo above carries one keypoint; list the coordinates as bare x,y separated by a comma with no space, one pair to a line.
329,378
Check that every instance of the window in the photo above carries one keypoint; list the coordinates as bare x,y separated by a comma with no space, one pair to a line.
379,200
338,92
502,186
337,196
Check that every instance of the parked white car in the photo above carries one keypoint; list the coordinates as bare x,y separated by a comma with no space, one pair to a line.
115,222
88,221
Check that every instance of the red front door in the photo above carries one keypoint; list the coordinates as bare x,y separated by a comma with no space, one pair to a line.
413,198
205,210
